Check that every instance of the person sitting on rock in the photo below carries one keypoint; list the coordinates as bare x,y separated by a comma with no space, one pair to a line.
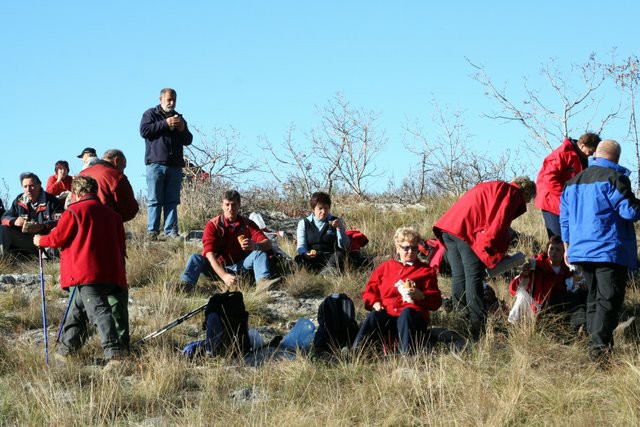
59,184
552,285
399,294
33,211
322,240
91,238
232,244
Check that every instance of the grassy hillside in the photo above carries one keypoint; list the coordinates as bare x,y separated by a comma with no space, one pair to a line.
514,375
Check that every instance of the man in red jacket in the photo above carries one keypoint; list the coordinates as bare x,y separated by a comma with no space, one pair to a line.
114,189
560,166
475,231
91,238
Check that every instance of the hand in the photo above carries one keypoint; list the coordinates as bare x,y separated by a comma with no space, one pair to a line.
229,279
416,294
336,223
36,240
180,125
19,222
566,259
312,254
173,122
248,245
377,306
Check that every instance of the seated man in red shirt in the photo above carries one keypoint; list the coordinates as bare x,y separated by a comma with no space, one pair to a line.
232,244
91,238
552,286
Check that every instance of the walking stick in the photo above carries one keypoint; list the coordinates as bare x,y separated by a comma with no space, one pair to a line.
170,325
44,307
66,312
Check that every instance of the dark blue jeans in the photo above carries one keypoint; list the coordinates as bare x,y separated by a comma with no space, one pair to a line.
467,274
552,223
410,329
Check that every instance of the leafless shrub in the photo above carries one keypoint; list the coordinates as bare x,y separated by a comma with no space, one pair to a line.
446,165
556,109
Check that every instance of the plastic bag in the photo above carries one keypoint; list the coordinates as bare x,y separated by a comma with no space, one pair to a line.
521,308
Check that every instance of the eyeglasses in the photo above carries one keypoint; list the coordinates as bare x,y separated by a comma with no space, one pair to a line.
409,247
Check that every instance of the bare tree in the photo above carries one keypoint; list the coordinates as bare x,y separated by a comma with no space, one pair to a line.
292,165
446,165
551,116
219,155
627,77
339,153
347,142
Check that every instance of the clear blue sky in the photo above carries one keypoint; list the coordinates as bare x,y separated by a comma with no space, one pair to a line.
79,73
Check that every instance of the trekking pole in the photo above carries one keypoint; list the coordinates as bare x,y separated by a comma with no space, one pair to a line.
170,325
66,312
44,307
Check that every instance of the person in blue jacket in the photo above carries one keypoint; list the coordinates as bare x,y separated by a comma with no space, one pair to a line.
597,212
165,133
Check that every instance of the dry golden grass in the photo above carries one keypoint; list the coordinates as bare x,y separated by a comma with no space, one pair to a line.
513,376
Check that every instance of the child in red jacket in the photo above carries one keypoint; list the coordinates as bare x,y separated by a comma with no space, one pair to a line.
552,286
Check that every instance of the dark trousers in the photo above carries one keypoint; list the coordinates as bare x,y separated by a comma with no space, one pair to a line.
606,283
467,273
410,328
552,223
90,304
12,239
322,260
119,302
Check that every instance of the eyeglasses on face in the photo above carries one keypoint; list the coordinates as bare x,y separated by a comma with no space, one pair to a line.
408,247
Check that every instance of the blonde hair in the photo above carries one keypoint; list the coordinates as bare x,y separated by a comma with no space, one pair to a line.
82,185
408,234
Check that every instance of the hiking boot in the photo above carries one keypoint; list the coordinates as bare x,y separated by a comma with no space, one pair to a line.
266,284
151,237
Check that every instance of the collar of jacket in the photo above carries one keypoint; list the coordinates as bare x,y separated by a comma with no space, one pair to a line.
605,163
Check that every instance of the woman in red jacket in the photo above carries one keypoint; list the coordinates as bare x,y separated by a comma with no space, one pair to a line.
92,259
60,181
475,231
560,166
399,294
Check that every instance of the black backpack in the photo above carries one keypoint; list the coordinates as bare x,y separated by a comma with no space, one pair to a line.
229,306
337,326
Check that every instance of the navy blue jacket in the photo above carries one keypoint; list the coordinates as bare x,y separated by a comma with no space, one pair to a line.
597,211
163,145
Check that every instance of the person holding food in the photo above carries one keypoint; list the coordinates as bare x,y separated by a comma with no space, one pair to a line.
232,244
400,293
322,239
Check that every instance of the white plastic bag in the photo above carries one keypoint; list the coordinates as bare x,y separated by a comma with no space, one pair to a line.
521,308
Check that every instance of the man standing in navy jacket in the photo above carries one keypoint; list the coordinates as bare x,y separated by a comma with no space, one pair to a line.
597,212
165,133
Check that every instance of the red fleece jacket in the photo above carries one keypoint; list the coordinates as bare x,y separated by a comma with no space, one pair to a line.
91,238
482,216
381,288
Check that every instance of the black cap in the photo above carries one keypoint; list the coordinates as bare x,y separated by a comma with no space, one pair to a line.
88,150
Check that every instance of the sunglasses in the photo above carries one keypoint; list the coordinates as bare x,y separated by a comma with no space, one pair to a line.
408,247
